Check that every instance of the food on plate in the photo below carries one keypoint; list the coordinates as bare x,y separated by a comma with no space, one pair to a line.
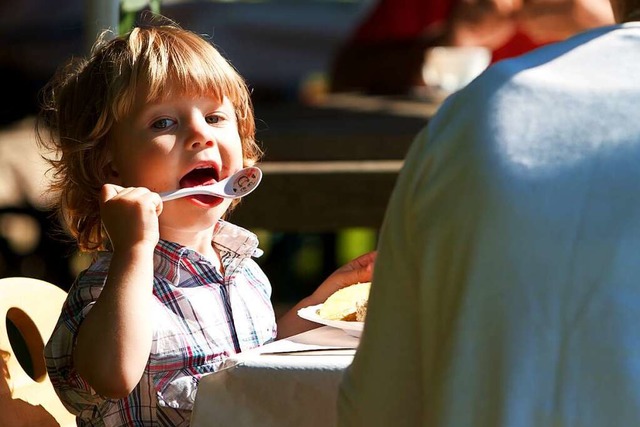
347,304
361,310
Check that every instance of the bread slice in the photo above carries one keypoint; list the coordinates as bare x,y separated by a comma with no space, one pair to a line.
361,310
343,304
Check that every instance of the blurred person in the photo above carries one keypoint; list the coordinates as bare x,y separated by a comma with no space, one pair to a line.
506,291
386,52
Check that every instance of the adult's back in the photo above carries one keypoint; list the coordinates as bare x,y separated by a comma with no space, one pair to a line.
507,291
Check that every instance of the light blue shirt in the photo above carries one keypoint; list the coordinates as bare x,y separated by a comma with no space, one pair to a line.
507,286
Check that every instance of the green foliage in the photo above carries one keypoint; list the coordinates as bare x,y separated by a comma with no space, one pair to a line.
129,10
353,242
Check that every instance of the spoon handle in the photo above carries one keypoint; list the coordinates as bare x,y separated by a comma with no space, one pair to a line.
208,190
235,186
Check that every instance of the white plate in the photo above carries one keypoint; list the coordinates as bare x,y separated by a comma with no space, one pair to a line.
311,313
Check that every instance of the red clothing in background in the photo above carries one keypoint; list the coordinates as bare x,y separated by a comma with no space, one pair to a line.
411,19
404,19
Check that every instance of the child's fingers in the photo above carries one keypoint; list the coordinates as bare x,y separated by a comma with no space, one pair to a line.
138,194
109,191
157,202
146,196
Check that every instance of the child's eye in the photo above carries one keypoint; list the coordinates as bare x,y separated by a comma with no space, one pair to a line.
162,123
213,119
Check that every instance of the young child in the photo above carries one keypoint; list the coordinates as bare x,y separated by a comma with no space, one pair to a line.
173,290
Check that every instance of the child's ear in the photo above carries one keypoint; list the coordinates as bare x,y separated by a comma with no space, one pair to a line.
111,171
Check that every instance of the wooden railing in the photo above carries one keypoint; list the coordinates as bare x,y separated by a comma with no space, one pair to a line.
327,167
332,165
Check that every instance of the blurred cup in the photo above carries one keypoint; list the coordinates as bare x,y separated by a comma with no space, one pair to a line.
448,69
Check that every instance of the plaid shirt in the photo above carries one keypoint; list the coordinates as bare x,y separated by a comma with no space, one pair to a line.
200,318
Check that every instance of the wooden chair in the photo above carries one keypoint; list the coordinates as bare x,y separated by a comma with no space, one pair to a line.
31,307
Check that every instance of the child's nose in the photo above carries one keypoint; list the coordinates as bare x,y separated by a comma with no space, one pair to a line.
199,144
199,137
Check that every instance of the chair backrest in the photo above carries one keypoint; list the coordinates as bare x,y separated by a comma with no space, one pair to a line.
31,307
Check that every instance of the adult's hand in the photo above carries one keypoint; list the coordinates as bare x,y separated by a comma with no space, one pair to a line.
357,270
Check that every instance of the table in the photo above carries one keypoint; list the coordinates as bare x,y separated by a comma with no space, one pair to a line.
270,386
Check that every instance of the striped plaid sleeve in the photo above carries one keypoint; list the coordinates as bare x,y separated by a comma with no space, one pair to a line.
76,394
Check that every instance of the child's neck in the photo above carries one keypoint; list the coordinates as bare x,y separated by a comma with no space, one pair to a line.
200,241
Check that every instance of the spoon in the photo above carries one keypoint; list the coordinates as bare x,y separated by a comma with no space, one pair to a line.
235,186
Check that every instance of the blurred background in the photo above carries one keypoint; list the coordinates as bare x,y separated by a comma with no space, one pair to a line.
340,89
277,45
295,55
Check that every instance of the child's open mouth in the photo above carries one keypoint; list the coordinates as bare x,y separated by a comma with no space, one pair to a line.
203,175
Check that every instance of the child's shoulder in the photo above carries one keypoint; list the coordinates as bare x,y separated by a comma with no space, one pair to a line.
96,270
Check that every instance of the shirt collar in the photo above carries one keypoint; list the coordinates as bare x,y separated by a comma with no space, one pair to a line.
234,243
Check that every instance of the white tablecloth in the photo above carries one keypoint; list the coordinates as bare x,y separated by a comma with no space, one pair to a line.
270,387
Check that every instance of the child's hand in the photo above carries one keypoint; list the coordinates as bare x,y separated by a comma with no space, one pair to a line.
356,271
130,215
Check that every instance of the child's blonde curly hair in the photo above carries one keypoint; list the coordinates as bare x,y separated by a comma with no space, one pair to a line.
87,96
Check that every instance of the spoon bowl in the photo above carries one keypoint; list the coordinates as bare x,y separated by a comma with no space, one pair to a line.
235,186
